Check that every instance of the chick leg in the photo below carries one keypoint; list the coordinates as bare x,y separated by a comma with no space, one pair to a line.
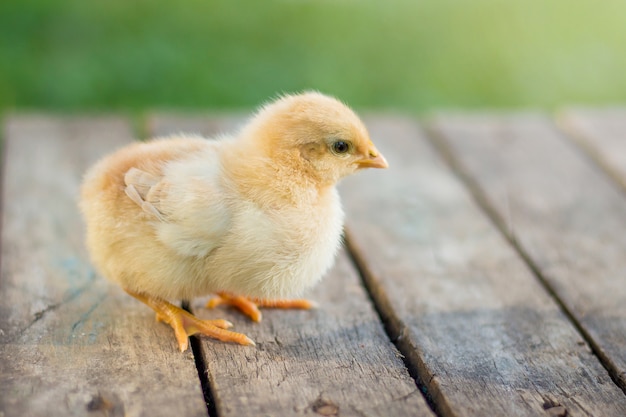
250,306
186,324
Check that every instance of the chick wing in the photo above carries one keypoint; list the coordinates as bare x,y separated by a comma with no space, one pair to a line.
188,200
145,190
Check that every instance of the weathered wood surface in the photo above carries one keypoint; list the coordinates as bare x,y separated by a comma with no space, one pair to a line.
70,343
335,360
480,330
602,133
564,214
478,312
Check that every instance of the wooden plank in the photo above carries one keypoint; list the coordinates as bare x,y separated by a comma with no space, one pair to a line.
208,125
335,360
70,343
469,315
563,213
602,133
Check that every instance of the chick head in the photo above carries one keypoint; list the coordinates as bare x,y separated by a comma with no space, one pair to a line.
316,134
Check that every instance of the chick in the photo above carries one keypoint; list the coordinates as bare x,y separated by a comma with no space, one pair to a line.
254,217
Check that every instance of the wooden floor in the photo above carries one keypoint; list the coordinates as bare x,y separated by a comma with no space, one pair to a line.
484,275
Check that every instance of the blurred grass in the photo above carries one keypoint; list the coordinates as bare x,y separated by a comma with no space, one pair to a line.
77,55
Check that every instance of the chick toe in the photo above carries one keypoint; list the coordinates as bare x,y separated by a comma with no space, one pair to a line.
186,324
250,306
243,304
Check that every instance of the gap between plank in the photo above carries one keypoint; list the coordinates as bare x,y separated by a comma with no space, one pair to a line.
439,143
207,391
395,330
575,138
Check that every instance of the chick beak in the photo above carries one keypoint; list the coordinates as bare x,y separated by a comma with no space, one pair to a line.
374,159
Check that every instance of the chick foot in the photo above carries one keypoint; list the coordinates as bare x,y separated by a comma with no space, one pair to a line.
186,324
250,306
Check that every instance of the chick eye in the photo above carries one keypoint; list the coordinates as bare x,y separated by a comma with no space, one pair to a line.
340,147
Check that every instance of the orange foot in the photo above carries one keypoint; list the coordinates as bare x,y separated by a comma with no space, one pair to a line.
250,306
186,324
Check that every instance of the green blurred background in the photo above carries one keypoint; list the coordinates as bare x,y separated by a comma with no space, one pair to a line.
132,55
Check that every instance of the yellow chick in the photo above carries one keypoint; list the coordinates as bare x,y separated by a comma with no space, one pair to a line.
255,217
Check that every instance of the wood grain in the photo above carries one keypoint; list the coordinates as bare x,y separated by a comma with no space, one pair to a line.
563,213
335,360
70,343
602,133
473,321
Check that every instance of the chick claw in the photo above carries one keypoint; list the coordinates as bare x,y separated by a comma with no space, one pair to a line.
186,324
250,306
